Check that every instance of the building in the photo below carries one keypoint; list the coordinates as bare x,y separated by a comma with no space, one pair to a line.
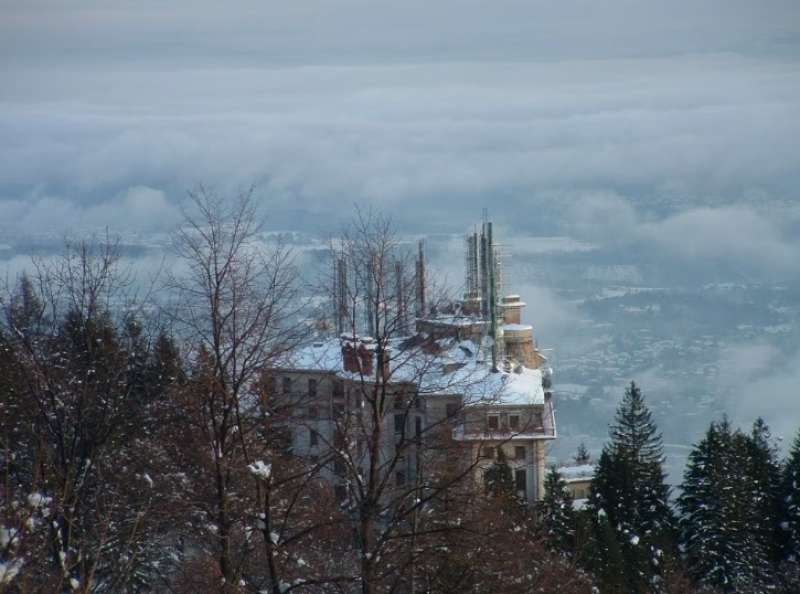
578,479
471,371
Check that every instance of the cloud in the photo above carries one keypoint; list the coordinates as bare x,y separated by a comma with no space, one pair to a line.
603,216
761,380
740,236
136,209
545,145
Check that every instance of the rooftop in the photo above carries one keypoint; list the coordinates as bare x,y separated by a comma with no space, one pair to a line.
441,367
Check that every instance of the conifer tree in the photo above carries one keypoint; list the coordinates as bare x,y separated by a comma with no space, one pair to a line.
558,516
727,532
629,489
764,472
790,499
605,556
582,455
711,556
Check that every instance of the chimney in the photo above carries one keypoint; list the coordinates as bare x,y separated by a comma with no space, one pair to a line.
385,363
349,359
420,279
340,293
365,358
400,299
512,309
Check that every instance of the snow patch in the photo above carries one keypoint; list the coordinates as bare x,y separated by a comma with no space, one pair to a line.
260,469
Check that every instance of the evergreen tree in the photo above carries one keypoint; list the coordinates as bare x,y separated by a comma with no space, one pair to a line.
764,473
582,455
790,508
629,489
558,516
726,504
712,557
164,367
609,566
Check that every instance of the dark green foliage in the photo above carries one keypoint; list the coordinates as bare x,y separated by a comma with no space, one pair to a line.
708,522
764,473
582,455
630,494
729,505
557,514
608,563
790,505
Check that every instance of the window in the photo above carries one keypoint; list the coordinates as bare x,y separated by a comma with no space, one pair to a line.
313,438
338,389
451,409
493,422
417,402
487,452
400,478
398,403
287,385
418,426
513,422
313,412
399,423
312,388
519,452
520,481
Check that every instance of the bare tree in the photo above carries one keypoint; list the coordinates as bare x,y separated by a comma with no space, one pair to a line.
384,446
236,306
74,497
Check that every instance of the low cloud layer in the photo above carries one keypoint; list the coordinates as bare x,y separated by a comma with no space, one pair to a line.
545,114
761,380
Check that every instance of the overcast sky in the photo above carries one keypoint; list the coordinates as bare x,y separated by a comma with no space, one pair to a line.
670,126
633,112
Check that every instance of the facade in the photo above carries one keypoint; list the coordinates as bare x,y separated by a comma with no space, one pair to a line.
472,374
578,479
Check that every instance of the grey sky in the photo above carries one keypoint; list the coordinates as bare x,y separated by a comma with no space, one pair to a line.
443,107
670,128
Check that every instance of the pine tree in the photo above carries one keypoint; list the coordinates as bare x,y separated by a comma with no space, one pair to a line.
582,455
558,516
711,556
790,508
609,566
727,502
629,489
764,473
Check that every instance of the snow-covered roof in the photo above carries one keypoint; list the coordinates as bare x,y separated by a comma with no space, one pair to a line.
517,327
579,504
446,367
579,472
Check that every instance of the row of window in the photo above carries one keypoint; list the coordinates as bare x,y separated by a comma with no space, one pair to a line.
520,452
513,424
399,428
287,386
